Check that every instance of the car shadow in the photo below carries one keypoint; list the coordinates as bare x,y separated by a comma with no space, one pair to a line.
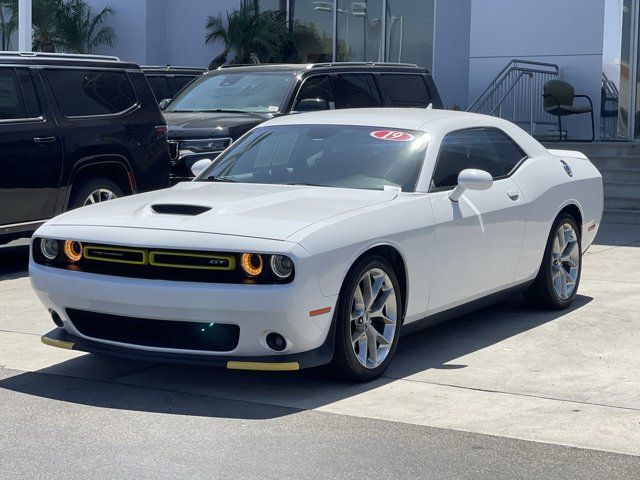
14,262
205,391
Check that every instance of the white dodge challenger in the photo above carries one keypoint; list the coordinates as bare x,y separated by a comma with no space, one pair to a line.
318,238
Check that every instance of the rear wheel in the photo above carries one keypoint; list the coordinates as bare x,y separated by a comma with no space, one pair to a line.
556,285
94,190
368,321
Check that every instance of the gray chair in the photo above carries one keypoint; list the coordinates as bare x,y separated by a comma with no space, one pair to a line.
558,101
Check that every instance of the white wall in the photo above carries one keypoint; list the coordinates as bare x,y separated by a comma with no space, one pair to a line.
129,23
451,51
158,32
186,32
568,33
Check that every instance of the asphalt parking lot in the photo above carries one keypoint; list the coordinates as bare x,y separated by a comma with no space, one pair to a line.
505,392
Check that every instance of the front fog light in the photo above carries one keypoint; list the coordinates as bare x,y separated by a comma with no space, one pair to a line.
73,250
49,248
281,266
251,263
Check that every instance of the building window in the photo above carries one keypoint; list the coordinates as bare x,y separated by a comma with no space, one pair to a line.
409,31
312,21
359,25
352,30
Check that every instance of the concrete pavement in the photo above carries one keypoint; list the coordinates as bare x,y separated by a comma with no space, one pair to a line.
559,378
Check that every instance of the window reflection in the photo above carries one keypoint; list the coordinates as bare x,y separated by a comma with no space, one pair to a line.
312,22
616,60
8,26
359,30
409,30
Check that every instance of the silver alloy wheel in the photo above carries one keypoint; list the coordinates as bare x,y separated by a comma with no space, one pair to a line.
374,318
99,195
565,261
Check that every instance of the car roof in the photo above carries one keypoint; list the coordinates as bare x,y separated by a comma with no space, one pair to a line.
65,59
171,69
329,66
434,121
407,118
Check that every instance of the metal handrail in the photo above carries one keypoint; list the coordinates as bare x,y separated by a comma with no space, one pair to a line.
512,93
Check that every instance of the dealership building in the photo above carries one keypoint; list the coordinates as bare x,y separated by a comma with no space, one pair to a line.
487,56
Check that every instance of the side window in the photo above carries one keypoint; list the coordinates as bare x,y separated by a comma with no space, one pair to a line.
354,91
404,90
11,104
508,152
83,93
317,87
31,104
472,148
160,87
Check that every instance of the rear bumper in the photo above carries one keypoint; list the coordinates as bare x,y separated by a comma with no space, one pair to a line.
313,358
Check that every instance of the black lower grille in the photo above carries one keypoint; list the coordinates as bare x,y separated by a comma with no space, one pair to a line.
214,337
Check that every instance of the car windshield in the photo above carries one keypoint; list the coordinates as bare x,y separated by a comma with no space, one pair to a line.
324,155
245,92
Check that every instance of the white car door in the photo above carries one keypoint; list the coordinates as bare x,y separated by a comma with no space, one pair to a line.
478,239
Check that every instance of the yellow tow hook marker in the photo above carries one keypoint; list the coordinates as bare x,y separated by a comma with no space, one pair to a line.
52,342
264,366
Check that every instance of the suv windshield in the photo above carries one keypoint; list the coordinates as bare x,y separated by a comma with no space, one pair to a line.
324,155
246,92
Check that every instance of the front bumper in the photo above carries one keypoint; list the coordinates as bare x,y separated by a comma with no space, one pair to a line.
256,309
288,362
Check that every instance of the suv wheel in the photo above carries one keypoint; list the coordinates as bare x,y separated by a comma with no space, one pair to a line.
95,190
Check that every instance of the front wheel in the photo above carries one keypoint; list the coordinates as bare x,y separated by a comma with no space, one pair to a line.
368,321
556,285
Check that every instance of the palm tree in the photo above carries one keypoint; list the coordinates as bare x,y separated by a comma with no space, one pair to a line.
80,31
8,22
45,25
247,32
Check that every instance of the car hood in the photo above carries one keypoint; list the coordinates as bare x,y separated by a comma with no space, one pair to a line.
198,125
249,210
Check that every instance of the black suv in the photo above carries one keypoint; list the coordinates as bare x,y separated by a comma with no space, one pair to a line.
74,130
166,81
221,105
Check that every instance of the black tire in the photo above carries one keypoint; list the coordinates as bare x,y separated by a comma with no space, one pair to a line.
542,293
82,191
344,364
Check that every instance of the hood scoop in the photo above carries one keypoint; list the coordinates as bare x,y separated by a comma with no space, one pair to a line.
177,209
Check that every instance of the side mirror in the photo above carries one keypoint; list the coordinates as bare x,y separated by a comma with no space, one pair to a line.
163,103
471,179
312,105
198,167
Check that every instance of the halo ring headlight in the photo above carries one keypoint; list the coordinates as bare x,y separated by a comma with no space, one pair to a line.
281,266
49,248
252,264
73,250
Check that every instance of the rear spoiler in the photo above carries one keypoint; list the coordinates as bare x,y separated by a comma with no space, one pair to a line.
569,153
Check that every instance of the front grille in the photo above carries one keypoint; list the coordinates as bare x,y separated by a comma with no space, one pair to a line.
213,337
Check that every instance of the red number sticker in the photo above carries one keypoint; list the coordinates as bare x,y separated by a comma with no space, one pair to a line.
392,135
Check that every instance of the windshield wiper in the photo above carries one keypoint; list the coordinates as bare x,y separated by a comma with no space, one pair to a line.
305,184
223,110
213,178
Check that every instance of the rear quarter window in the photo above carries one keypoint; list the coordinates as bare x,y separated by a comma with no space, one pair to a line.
85,93
403,90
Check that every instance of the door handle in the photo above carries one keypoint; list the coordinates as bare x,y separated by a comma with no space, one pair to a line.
513,195
43,140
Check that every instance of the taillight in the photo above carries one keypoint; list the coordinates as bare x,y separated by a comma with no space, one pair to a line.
161,130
